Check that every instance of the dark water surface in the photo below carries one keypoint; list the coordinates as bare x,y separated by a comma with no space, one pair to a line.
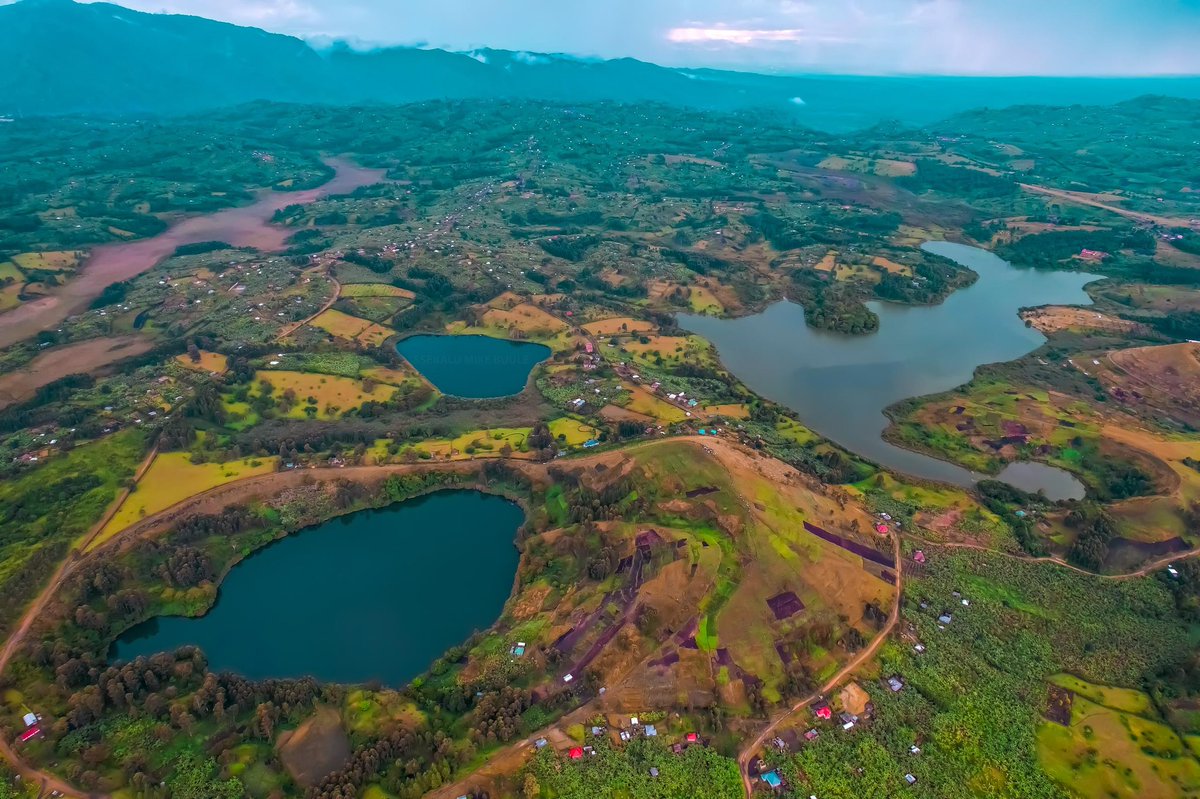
840,385
376,595
477,367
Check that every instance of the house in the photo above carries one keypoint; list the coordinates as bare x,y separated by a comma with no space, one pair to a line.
568,678
811,735
30,719
653,771
919,556
651,731
597,730
575,753
945,618
914,749
910,779
519,649
773,779
692,738
30,733
823,711
540,743
895,683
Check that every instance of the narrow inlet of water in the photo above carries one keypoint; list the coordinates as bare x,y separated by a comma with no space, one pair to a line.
839,385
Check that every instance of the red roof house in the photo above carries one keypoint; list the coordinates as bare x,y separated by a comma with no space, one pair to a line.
575,753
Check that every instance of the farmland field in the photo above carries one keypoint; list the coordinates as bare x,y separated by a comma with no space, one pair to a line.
173,478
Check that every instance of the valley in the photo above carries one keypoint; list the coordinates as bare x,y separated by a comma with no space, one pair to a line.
512,448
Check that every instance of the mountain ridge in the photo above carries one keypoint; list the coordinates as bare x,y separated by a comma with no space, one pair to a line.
65,57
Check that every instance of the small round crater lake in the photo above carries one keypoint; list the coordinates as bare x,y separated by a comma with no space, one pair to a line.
475,367
374,595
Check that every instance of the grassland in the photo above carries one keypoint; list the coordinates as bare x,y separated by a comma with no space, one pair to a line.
327,395
352,328
173,478
60,261
1116,746
213,362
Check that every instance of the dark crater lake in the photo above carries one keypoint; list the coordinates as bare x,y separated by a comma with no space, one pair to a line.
476,367
839,385
374,595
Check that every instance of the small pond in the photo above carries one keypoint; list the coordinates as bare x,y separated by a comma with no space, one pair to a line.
476,367
839,385
375,595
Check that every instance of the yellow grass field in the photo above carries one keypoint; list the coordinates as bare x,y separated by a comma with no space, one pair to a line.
884,167
173,478
352,328
478,444
1116,753
529,319
642,401
703,300
393,377
732,410
209,362
828,263
343,393
9,270
374,290
60,261
572,432
889,265
619,326
10,296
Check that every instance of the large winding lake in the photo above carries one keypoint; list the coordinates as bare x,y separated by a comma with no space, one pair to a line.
477,367
840,385
375,595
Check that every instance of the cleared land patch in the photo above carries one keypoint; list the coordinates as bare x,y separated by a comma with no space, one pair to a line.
173,478
322,392
209,362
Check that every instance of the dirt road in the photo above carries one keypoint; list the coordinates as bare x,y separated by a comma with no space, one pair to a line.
748,751
292,328
49,782
1082,199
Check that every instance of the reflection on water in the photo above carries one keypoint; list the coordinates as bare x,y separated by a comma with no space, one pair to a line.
376,595
840,385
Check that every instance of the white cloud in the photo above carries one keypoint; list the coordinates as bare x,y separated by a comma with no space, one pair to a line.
741,37
257,13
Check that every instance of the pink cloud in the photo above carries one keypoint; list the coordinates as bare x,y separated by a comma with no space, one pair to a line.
746,37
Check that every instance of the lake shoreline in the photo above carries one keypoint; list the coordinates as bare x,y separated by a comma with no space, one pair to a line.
841,386
476,488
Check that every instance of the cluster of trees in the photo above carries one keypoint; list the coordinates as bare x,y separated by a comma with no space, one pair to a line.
570,248
1095,529
933,278
972,184
1049,250
831,306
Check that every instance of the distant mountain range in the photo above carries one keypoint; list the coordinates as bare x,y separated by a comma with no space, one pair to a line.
64,57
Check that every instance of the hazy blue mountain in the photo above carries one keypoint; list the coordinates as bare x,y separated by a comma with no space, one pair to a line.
66,57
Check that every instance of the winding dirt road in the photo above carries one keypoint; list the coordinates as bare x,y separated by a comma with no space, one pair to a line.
256,486
748,751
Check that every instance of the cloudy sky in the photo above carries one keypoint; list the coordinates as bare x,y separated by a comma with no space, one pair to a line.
1005,37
